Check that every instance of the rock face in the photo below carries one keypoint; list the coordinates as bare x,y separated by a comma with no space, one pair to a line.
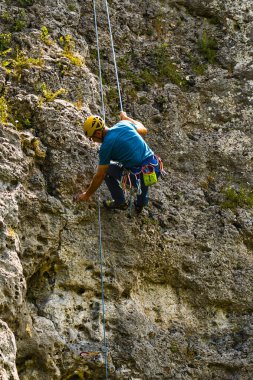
177,279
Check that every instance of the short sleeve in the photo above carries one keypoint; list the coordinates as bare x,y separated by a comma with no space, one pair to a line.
104,155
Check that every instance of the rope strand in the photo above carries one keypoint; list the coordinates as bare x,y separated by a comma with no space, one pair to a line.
99,61
114,55
105,349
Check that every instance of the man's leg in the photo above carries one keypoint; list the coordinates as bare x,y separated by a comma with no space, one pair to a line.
142,199
112,180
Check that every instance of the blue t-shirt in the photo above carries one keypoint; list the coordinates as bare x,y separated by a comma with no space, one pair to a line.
123,144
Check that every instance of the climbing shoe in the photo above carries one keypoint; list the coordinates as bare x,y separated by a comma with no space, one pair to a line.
138,209
111,204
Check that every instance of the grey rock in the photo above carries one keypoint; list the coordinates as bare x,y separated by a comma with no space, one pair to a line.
177,278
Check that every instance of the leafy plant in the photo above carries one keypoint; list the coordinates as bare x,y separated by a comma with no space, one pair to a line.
23,123
131,93
20,22
166,68
208,47
25,3
197,66
6,16
78,104
72,7
21,117
63,68
5,41
68,45
3,110
241,197
199,69
74,59
147,76
45,36
48,95
41,153
20,62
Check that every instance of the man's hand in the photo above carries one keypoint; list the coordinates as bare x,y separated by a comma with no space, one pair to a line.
123,115
140,127
83,197
96,182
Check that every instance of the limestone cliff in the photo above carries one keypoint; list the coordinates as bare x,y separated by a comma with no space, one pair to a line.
178,278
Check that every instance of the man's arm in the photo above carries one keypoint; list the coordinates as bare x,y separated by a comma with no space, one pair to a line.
95,184
140,127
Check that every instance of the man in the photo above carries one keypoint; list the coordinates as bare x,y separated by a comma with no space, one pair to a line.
123,144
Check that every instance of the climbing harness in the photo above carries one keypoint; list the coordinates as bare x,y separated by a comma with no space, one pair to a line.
149,178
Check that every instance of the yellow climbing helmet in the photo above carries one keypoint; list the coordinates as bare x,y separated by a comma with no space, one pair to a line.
92,124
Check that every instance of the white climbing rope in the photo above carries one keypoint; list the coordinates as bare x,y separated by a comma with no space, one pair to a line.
99,61
114,55
105,348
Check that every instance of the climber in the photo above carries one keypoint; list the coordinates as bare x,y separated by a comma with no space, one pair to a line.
123,144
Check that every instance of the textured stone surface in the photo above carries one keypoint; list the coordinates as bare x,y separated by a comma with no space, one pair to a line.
7,353
178,279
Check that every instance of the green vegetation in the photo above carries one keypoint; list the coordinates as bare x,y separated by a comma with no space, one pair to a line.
112,99
138,78
22,123
63,68
39,152
5,41
208,47
159,23
6,17
78,104
147,76
199,69
68,45
25,3
20,62
143,100
45,36
197,66
72,7
166,68
3,110
75,60
241,197
123,63
161,69
174,347
19,22
131,93
16,22
21,117
48,95
214,20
